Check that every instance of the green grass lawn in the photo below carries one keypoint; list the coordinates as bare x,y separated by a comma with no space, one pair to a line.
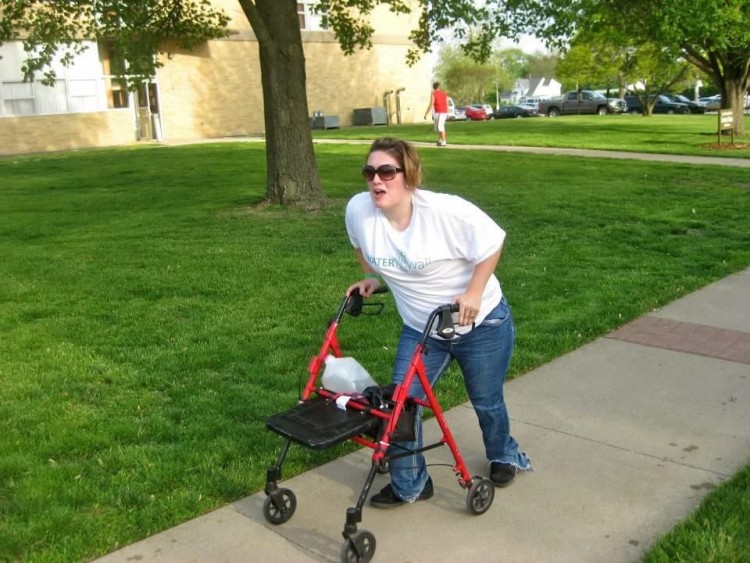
671,134
151,317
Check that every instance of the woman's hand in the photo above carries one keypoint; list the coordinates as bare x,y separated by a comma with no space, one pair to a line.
470,301
366,287
468,308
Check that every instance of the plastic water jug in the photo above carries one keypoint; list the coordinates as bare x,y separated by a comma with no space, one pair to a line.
345,375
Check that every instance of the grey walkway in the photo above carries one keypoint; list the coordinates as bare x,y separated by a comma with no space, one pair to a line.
627,435
619,155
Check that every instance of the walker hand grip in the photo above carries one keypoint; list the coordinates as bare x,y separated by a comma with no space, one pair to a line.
354,303
447,321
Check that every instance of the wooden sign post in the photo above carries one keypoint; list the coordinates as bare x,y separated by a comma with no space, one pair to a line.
726,121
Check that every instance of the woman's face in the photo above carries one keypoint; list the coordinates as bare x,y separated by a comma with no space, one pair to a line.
386,193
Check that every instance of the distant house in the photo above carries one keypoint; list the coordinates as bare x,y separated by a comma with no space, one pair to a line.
211,91
535,88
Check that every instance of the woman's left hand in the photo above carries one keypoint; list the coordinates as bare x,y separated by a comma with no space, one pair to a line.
468,308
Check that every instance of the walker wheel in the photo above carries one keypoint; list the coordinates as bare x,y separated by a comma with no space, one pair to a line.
358,548
480,496
279,506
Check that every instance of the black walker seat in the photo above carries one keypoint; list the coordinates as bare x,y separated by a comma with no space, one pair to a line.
319,423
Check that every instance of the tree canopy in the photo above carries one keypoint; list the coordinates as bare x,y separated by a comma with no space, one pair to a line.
713,36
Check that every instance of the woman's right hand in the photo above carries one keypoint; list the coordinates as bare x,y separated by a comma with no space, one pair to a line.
366,287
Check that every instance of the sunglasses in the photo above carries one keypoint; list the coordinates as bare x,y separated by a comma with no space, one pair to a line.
386,172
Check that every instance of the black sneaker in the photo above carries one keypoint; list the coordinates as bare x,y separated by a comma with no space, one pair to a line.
502,474
386,498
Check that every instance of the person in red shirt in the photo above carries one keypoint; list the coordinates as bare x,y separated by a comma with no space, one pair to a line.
439,107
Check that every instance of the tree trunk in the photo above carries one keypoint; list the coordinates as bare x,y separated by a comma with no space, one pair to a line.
731,73
733,97
292,171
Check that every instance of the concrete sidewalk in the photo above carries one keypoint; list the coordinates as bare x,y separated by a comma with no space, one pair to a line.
617,155
627,435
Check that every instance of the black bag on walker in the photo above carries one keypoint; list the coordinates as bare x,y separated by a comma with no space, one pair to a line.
380,397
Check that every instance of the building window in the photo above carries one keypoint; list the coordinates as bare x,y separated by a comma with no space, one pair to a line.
83,95
301,15
308,21
115,87
78,87
18,98
117,92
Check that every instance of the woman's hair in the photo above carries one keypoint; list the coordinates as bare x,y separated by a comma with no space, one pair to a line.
406,156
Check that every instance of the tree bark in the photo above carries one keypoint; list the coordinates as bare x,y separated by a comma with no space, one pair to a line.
292,171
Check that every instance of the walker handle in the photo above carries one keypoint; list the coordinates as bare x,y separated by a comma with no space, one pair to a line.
354,304
447,317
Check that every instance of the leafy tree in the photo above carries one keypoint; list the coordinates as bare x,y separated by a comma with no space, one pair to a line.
713,36
656,68
581,68
511,64
601,57
466,80
543,64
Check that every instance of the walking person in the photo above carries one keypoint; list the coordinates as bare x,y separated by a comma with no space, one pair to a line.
431,249
439,108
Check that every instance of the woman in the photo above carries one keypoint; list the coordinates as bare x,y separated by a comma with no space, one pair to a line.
432,249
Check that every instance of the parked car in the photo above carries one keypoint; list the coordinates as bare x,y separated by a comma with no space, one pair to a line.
694,107
662,104
455,113
486,108
505,112
711,103
451,109
535,107
475,114
458,114
531,102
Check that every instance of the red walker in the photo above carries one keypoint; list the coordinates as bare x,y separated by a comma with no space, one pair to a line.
317,422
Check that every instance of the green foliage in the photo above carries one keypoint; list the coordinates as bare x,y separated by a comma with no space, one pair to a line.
543,64
713,36
471,82
604,57
135,29
466,80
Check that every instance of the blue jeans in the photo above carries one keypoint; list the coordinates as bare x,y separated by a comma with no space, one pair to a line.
483,356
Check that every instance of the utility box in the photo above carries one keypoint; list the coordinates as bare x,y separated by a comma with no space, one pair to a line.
370,116
321,121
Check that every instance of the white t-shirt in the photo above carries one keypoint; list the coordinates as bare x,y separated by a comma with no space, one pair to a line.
431,262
